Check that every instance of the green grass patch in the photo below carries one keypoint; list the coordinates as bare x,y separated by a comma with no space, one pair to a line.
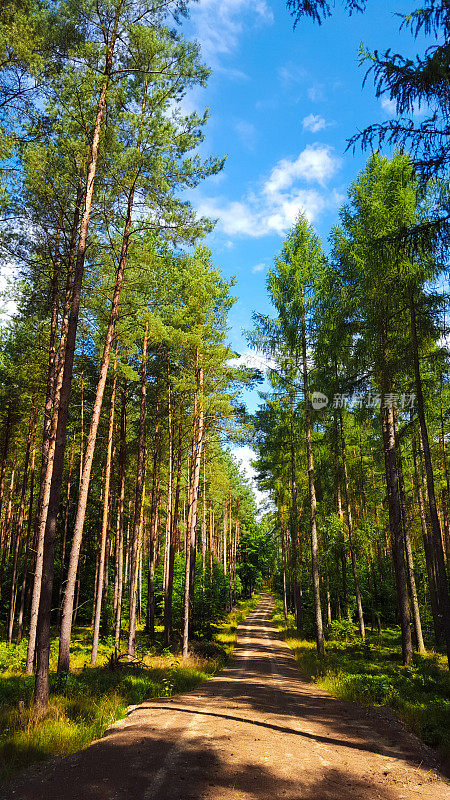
372,673
89,699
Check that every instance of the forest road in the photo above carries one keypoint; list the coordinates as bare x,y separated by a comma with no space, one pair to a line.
254,731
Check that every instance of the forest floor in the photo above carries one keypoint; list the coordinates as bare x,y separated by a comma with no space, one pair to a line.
371,672
256,730
86,701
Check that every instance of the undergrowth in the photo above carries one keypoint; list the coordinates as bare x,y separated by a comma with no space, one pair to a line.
372,673
86,701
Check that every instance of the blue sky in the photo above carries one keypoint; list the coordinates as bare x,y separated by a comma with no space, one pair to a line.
283,104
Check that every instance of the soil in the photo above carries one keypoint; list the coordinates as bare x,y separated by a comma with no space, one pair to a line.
257,730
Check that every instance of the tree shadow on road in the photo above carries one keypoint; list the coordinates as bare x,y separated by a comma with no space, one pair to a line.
124,768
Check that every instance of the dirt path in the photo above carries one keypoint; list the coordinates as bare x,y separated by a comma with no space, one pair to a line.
255,731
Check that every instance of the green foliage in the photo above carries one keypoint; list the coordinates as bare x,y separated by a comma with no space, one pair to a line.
341,630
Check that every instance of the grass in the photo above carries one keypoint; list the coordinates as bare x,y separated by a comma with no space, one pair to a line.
86,701
372,673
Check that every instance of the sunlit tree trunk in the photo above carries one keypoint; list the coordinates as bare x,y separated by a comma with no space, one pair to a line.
43,629
312,500
192,512
140,478
105,518
120,512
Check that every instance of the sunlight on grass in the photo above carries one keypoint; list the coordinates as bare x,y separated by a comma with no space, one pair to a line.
372,673
86,701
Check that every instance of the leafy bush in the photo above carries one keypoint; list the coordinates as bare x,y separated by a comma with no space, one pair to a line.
342,630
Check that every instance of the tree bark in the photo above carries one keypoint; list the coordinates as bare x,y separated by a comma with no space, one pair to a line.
105,517
312,499
395,524
66,621
408,549
6,440
173,539
120,512
140,477
192,513
350,532
441,575
18,542
43,632
29,538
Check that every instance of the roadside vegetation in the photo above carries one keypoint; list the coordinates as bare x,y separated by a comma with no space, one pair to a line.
84,702
372,673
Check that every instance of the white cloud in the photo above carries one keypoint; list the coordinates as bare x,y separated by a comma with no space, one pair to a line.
315,164
259,267
314,123
218,24
244,456
280,199
253,358
316,92
246,132
292,73
389,106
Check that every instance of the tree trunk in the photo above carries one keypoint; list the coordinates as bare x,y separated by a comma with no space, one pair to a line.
105,517
8,521
350,532
28,540
18,542
66,622
296,555
140,477
441,575
43,632
120,510
192,512
150,624
66,525
6,440
283,555
312,499
173,540
395,524
408,549
169,506
430,564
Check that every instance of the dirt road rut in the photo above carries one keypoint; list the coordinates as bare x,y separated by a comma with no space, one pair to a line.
256,731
